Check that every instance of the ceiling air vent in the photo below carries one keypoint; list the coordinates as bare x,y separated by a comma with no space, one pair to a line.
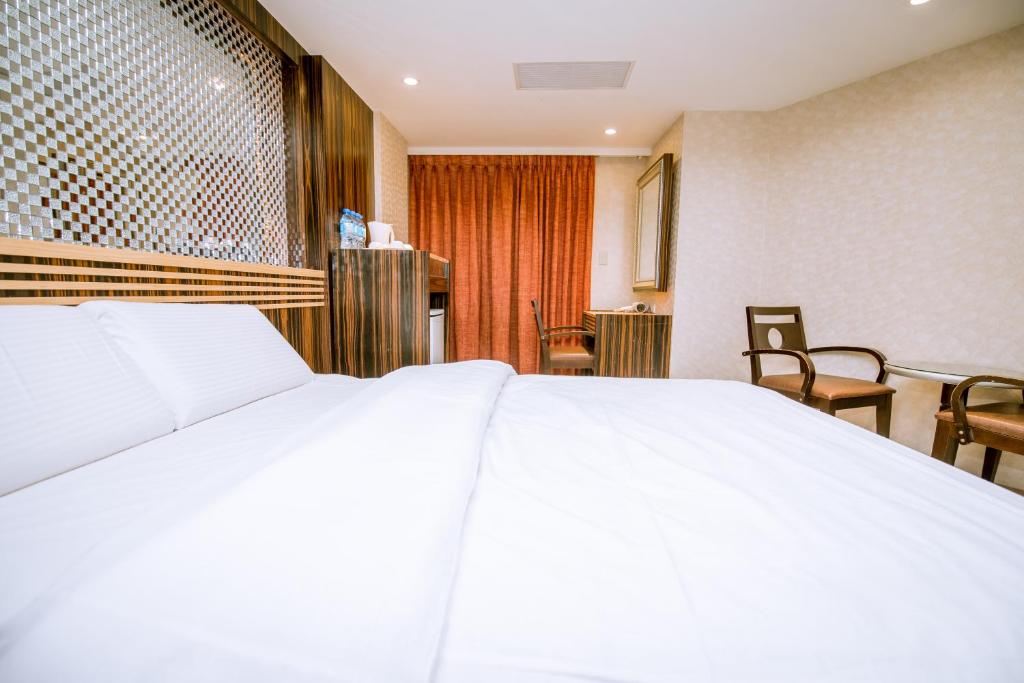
571,75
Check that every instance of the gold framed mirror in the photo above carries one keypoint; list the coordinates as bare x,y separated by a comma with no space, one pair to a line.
651,237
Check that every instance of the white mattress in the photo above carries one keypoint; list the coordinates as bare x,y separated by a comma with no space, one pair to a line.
49,527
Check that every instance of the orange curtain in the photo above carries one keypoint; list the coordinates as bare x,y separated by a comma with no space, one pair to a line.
515,228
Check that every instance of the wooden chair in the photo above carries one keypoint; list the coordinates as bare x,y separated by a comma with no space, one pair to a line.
824,392
997,426
562,357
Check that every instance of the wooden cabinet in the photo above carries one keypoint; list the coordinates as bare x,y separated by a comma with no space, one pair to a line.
380,303
630,344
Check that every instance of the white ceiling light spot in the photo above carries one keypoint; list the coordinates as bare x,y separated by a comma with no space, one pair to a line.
918,2
411,80
610,131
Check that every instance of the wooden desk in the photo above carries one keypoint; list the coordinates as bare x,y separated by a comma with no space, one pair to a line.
630,344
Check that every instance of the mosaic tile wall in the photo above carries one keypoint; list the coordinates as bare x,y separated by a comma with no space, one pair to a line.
156,125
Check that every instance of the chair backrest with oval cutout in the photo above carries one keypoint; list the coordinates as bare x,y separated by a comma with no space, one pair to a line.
773,327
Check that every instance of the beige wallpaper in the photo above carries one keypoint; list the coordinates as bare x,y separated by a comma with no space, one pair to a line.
391,176
614,214
891,210
722,225
671,142
615,220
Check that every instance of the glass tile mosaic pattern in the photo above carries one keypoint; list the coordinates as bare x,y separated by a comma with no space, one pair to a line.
156,125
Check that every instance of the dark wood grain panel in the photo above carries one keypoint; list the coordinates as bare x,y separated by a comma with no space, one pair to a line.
381,310
630,344
337,158
339,149
306,329
356,147
45,273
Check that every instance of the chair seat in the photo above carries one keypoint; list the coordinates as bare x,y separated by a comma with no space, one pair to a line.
573,357
1003,418
828,387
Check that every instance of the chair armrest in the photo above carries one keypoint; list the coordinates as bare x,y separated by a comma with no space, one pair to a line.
576,333
564,327
874,353
806,366
958,401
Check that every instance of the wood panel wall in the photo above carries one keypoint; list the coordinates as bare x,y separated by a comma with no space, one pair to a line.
339,147
382,311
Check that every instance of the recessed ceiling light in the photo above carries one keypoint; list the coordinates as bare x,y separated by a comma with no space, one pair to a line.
918,2
410,80
610,131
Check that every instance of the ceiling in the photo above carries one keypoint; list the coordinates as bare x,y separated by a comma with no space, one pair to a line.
689,55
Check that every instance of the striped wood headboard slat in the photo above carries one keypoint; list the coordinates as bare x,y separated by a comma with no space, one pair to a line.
293,299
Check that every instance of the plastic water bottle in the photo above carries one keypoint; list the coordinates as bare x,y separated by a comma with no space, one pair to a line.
348,230
344,230
360,231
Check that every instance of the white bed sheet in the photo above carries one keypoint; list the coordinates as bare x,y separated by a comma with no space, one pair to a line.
643,531
618,530
49,527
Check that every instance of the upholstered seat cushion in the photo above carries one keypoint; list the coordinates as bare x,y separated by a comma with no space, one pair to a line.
1003,418
828,387
571,356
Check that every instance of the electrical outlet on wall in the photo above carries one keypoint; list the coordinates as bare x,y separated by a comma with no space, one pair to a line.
602,257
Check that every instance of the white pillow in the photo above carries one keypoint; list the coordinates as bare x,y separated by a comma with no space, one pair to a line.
203,359
68,395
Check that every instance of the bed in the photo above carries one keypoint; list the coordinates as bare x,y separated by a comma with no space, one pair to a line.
463,523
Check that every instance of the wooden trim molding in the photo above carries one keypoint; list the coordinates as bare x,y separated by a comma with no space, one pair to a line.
48,273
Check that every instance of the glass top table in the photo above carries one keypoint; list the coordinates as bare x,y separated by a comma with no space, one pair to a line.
947,373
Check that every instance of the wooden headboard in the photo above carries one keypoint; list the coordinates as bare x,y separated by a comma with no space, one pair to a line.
293,299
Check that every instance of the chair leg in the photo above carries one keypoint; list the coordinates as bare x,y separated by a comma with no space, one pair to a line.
883,416
945,445
990,464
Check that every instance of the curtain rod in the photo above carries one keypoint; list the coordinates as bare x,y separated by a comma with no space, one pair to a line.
570,151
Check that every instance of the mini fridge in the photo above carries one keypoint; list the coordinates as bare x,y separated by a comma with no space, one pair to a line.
436,335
